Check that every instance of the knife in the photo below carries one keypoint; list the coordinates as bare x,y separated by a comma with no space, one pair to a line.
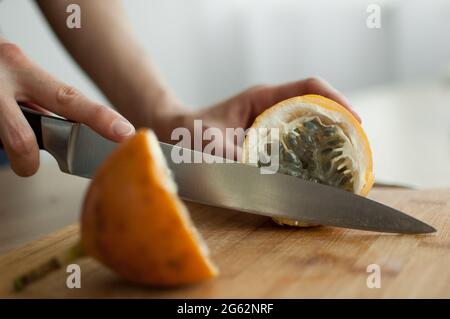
79,151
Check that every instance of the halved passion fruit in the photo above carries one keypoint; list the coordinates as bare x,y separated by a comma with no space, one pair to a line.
319,141
134,222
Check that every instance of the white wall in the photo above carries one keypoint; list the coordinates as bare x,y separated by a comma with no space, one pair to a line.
210,49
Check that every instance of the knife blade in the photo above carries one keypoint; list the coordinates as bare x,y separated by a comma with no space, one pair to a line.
79,151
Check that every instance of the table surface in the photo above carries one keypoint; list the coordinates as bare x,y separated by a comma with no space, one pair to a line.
33,207
259,259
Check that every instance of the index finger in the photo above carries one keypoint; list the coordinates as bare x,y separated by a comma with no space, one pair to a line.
66,101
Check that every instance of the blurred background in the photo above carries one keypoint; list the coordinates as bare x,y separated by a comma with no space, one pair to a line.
396,76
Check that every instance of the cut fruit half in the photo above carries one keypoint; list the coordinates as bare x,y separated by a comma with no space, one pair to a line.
134,223
319,140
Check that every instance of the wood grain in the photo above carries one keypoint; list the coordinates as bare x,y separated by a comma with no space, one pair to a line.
259,259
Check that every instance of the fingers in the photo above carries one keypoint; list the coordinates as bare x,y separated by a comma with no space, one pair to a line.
18,139
321,87
24,81
68,102
266,96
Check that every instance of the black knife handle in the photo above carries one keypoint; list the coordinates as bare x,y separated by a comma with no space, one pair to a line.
34,119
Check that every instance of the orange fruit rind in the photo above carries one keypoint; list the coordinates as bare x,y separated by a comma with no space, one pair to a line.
316,120
134,223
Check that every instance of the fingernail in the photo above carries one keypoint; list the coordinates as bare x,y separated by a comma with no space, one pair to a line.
122,127
357,116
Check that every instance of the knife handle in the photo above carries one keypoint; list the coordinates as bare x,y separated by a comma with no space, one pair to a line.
34,119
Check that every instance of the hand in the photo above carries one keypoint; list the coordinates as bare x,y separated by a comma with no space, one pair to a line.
23,81
241,110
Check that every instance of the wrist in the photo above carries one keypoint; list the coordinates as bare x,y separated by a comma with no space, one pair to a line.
165,116
162,112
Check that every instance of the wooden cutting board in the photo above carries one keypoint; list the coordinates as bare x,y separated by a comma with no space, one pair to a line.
258,258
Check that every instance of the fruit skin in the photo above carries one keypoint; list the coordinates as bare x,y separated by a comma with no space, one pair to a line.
329,105
133,222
